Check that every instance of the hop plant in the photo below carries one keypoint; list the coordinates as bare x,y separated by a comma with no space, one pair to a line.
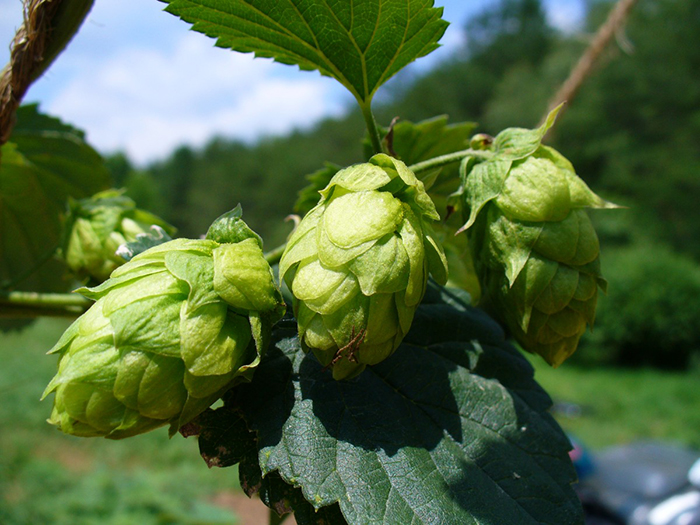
535,247
97,226
358,264
169,332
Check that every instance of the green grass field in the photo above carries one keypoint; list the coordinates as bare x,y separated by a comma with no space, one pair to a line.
49,478
619,406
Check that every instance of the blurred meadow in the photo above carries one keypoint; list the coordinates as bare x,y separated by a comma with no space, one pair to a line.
49,477
632,133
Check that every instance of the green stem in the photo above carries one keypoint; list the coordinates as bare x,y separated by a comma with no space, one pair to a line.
32,304
273,256
444,160
371,126
275,519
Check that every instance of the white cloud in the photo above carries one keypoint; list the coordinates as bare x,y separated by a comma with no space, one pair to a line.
566,16
138,79
149,101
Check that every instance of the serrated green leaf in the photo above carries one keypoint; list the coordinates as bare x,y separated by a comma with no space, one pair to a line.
228,425
461,435
361,43
44,163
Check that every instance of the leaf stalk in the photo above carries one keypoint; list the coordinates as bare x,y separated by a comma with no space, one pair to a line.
32,304
449,158
371,126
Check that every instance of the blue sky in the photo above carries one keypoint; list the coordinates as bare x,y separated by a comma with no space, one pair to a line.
136,79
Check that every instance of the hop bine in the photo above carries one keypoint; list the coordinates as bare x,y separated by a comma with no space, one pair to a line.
169,333
97,226
358,264
535,248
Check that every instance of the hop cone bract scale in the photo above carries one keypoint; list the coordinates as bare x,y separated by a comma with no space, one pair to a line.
358,264
97,226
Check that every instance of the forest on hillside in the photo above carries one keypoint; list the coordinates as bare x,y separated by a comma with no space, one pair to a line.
631,132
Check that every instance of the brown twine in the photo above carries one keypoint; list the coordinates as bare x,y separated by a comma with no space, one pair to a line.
584,67
26,55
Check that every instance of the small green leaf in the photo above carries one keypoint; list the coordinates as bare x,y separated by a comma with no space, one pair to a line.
484,182
361,43
535,190
518,143
379,211
44,163
243,278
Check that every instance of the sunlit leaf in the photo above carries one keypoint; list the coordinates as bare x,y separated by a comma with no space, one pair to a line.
361,43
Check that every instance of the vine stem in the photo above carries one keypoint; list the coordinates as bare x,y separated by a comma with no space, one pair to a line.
273,256
371,126
583,68
32,304
444,160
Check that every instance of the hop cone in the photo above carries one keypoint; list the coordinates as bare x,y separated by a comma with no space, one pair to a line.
98,226
169,332
358,264
535,247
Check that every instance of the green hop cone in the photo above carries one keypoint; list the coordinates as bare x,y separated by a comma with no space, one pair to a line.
358,264
534,244
97,226
169,332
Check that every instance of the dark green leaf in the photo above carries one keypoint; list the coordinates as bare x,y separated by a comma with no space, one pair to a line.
224,425
361,43
415,143
451,429
43,164
227,425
